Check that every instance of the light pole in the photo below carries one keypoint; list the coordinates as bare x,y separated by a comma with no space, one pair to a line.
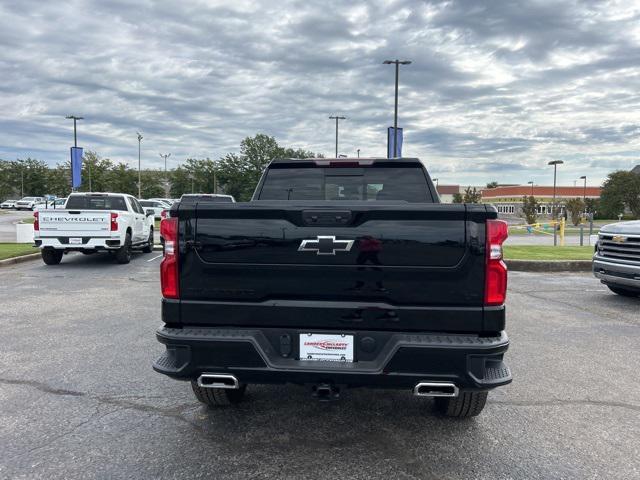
337,118
531,183
397,63
165,156
166,178
584,189
22,181
555,164
358,151
436,180
139,175
75,119
75,141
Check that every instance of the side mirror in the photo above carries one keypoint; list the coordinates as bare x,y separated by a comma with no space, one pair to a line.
148,212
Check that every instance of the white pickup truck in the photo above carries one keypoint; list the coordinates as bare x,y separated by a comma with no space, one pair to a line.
92,222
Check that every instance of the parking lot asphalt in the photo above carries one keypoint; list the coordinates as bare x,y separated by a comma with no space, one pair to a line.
80,400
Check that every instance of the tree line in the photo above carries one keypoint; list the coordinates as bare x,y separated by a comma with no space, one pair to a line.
235,174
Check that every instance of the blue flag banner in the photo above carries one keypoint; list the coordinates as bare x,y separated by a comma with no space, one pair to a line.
390,143
76,167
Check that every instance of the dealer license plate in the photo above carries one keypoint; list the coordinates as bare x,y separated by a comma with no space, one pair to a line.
332,348
75,241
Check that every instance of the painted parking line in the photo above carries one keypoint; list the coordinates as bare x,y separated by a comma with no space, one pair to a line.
154,258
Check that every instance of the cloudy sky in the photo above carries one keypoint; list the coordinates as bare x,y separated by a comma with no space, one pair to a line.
495,91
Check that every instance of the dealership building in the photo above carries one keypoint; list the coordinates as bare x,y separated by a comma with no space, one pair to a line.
508,198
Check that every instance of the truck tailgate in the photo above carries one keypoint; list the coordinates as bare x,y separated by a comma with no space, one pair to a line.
339,265
67,223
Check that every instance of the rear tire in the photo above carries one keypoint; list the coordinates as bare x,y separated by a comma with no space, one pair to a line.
623,291
51,256
218,397
466,404
123,254
148,248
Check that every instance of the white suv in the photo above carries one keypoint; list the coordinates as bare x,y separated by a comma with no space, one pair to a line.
29,203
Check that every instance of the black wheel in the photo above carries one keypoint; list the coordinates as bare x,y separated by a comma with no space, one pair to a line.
148,248
218,397
51,256
123,254
466,404
624,292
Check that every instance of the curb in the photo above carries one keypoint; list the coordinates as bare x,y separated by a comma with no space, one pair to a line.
549,265
20,259
34,256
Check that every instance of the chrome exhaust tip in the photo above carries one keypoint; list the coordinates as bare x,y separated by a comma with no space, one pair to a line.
435,389
218,380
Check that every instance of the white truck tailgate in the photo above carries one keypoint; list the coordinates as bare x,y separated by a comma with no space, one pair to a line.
79,223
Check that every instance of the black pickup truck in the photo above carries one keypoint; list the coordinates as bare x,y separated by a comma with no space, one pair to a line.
339,273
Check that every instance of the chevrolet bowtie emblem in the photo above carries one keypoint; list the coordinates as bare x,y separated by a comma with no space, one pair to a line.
325,245
619,239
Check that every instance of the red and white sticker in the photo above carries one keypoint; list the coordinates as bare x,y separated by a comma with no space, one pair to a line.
332,348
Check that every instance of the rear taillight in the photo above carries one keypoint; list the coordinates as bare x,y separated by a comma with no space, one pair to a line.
114,222
36,221
169,264
495,284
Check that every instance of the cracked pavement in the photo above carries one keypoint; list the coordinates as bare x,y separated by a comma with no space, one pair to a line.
80,400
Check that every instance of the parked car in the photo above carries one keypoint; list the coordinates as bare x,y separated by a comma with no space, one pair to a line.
616,261
93,222
8,204
29,203
52,204
156,205
339,273
168,201
212,197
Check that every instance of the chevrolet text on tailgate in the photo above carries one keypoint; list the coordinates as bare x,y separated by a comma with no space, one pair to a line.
339,273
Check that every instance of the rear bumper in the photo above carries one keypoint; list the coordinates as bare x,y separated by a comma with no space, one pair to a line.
88,243
382,359
622,274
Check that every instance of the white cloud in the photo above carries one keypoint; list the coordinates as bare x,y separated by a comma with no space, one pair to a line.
495,90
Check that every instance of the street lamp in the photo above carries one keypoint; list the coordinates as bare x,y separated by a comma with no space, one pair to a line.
436,180
584,189
75,136
166,178
555,164
337,118
531,183
165,156
358,151
397,63
139,176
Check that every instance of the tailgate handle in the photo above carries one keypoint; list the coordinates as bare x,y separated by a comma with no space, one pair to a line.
326,217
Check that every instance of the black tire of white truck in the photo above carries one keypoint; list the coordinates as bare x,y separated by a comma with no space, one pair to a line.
123,254
51,256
